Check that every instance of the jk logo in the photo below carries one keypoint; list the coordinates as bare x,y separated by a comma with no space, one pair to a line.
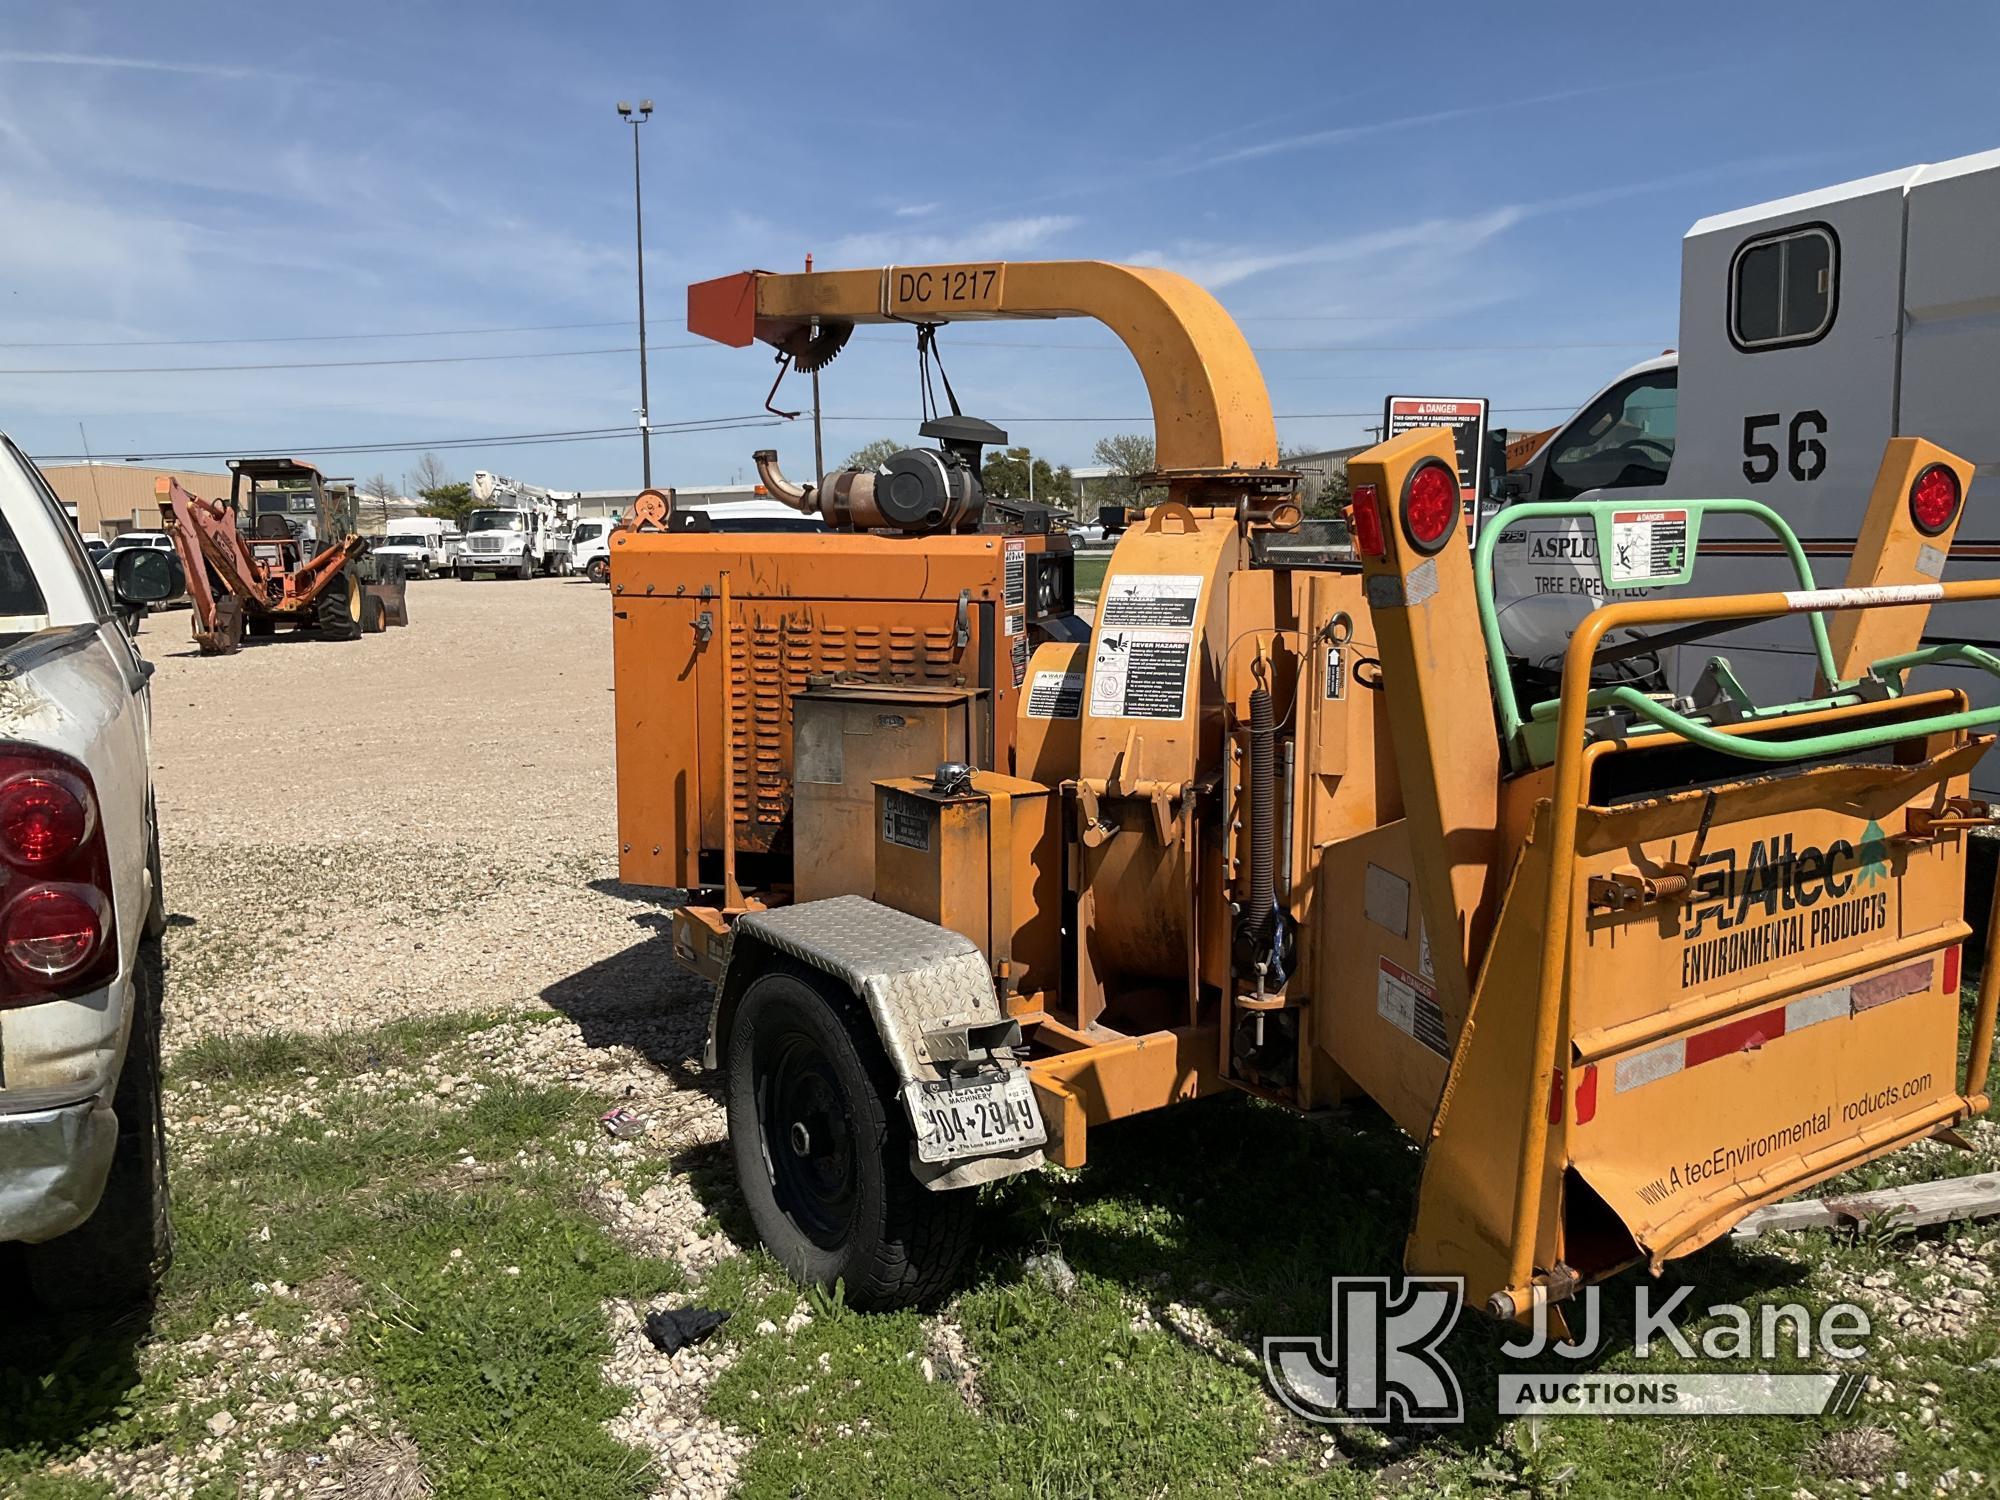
1380,1360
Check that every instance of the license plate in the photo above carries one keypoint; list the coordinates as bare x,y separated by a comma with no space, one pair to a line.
979,1117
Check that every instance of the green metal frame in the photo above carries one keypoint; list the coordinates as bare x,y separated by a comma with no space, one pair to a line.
1514,727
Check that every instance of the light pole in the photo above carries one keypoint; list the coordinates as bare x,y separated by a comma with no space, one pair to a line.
639,117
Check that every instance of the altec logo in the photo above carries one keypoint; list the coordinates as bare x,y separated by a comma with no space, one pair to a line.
1776,900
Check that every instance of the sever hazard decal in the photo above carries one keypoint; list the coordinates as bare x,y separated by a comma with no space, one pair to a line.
1410,1005
1775,900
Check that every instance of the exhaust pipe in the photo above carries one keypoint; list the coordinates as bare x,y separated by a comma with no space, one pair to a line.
846,502
801,497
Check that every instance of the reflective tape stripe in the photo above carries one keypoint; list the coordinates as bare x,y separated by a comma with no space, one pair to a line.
1748,1033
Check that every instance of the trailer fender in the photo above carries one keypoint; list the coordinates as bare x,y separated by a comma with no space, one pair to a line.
927,992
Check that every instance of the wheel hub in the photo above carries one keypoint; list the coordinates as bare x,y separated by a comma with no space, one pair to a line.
809,1141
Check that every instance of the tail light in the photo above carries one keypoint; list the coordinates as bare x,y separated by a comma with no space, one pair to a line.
1934,499
58,933
1430,505
1364,520
45,816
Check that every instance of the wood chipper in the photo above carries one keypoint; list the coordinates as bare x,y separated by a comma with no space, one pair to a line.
1627,964
247,565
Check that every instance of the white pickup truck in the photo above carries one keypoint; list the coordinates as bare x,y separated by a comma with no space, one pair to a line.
82,1150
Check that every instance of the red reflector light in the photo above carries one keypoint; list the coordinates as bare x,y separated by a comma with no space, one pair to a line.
1934,499
50,932
1364,519
44,818
1951,963
1430,505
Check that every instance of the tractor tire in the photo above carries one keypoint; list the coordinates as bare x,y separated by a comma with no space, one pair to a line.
337,612
116,1257
374,614
822,1150
599,570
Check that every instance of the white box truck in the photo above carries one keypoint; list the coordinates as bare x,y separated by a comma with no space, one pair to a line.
428,545
1813,330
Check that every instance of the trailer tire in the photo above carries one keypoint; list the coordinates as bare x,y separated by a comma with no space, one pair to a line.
822,1149
116,1257
338,611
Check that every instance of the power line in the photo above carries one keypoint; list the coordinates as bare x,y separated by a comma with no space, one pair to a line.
504,440
740,422
343,364
312,338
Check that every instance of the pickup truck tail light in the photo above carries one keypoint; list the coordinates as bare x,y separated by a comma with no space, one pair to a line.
58,934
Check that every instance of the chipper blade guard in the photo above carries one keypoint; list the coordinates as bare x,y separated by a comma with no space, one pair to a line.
1726,962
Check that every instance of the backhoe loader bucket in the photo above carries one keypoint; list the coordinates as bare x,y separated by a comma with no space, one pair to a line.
1726,964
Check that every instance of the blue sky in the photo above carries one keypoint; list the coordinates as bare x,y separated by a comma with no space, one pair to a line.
1457,198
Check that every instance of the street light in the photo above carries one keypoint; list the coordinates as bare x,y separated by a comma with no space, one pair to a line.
638,118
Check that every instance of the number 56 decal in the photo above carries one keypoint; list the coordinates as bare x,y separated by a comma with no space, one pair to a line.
1805,454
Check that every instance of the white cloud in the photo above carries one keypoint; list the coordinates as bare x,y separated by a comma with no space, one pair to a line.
996,239
140,64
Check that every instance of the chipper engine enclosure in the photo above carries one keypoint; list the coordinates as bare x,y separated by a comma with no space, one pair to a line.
1626,965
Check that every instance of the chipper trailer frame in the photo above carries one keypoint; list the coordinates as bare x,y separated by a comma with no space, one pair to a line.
252,583
1627,965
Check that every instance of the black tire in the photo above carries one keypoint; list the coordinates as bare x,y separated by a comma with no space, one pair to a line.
116,1257
155,925
822,1150
337,612
465,575
374,614
599,570
260,626
527,565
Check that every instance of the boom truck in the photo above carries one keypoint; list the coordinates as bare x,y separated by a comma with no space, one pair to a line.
518,529
1626,963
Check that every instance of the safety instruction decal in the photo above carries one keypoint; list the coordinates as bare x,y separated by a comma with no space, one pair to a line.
1410,1005
1646,546
1151,599
1020,650
1336,673
1056,695
1140,674
1016,574
906,821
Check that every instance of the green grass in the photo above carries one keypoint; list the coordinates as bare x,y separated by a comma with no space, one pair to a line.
1090,574
1194,1234
495,1374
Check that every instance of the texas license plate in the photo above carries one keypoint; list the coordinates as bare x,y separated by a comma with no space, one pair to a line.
978,1117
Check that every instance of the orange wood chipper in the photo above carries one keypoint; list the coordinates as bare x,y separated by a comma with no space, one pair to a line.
973,882
248,570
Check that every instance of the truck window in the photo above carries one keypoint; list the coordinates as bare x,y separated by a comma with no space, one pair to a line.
1783,288
1622,439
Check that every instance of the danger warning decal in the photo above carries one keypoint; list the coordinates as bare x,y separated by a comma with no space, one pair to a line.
1410,1005
1155,599
1016,575
1647,546
1056,695
1140,674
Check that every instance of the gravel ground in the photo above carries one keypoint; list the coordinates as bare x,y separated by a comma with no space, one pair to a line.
424,821
417,821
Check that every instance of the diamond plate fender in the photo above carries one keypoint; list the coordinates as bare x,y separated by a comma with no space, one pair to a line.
927,989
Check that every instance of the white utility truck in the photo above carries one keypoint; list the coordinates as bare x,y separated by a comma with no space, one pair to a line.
428,545
83,1188
520,529
1813,330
